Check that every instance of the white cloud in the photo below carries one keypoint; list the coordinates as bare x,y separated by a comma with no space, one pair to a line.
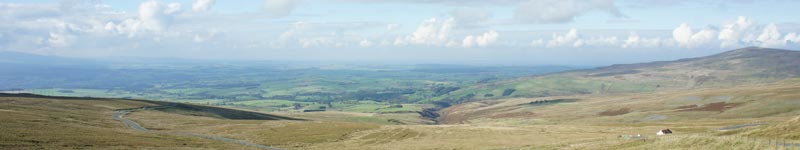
537,43
202,5
433,31
635,41
704,37
683,34
279,8
484,40
570,39
737,33
561,11
158,15
365,43
685,37
602,41
291,36
154,19
62,36
60,39
792,37
771,37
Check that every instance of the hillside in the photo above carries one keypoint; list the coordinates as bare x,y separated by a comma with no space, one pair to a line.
743,102
42,122
737,67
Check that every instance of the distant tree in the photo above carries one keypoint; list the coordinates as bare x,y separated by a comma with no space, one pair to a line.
508,92
488,95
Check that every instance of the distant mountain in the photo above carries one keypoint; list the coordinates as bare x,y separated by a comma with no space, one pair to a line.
750,65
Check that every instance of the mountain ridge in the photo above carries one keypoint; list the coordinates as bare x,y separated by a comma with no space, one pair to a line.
742,66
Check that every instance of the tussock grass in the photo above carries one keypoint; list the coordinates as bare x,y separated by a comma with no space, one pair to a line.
77,123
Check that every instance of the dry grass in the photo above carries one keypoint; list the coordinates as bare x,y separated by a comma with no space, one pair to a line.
284,133
748,102
594,122
44,123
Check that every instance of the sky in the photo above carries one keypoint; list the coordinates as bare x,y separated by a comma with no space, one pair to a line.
486,32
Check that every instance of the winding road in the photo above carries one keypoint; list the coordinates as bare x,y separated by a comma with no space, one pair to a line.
120,115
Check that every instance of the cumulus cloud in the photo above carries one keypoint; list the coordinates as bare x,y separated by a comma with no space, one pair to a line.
569,39
157,15
573,39
737,33
433,31
685,36
291,36
63,36
561,11
484,40
537,43
636,41
703,38
202,5
279,8
60,39
154,17
793,38
771,37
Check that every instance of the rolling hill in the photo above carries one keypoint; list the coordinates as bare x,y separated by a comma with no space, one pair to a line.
744,66
777,99
751,93
44,122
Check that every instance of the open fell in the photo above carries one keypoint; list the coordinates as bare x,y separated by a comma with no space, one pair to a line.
744,66
778,100
726,101
42,122
552,123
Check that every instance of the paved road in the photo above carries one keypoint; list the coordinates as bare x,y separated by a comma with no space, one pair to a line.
120,115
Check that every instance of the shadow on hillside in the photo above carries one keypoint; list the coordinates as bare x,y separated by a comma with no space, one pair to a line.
222,113
178,108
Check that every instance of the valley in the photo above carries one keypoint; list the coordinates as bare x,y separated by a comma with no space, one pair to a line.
744,105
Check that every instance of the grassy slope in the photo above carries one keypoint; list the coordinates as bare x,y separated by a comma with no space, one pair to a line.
737,67
755,101
503,125
64,122
568,125
30,123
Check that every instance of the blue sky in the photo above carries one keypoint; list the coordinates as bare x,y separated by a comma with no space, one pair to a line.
508,32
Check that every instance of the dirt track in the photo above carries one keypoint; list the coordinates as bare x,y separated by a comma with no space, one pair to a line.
119,115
